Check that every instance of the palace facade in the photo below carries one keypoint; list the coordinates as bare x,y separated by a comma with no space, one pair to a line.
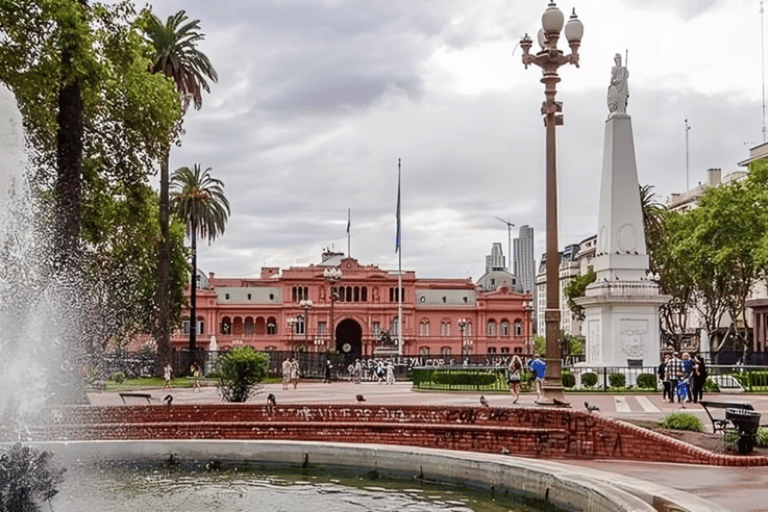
353,311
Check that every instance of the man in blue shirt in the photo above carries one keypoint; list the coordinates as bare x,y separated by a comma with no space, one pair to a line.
538,368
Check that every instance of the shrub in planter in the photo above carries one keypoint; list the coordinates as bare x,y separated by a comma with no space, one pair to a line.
240,370
683,421
464,378
118,377
589,379
617,380
569,379
646,380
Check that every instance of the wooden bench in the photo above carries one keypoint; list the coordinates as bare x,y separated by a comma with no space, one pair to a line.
718,425
136,395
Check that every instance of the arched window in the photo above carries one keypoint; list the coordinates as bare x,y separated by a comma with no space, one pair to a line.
248,326
424,351
260,326
393,327
491,328
445,328
301,327
504,327
226,325
424,328
237,326
271,325
518,328
445,351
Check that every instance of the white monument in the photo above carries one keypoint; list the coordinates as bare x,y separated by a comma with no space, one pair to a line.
622,305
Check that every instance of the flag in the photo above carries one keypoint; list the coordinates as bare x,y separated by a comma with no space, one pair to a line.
397,237
349,218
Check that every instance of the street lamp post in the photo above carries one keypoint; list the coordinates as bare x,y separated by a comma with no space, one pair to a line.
332,274
550,58
307,305
466,344
292,321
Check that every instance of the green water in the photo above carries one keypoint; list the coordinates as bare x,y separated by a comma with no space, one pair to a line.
230,487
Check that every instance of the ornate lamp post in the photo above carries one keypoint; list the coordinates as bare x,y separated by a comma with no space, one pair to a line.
307,305
292,321
550,58
332,274
466,344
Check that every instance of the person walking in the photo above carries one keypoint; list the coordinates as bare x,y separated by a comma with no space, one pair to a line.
168,376
699,378
538,368
328,370
390,372
195,376
515,376
687,377
294,372
286,372
662,372
674,372
358,372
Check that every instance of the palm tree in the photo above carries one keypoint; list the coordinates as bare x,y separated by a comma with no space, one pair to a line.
200,203
177,57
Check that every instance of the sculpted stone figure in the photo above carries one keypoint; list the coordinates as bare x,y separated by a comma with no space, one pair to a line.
618,91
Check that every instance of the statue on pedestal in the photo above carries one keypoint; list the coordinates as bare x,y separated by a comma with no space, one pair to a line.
618,91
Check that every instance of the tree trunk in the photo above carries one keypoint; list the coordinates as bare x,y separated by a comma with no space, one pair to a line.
193,298
69,155
163,322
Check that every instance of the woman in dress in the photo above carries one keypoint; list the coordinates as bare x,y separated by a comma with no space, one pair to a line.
515,376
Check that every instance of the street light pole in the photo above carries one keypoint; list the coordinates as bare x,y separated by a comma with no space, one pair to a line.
550,58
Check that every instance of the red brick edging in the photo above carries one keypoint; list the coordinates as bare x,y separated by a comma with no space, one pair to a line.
527,432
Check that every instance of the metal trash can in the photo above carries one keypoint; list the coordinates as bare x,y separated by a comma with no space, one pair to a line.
746,422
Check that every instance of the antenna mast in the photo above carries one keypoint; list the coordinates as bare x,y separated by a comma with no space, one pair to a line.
762,59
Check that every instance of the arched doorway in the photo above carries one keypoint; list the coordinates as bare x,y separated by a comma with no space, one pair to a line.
349,340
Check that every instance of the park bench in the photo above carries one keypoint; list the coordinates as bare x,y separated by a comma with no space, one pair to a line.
718,425
136,395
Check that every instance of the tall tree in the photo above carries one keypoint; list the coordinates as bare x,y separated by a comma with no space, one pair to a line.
200,203
177,57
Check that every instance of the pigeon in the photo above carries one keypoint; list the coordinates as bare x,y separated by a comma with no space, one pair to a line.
505,450
560,403
360,398
271,400
168,398
483,401
591,408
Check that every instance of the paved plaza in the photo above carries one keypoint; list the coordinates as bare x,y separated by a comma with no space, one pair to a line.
739,489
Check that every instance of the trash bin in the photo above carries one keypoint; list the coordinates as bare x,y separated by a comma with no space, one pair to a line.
746,422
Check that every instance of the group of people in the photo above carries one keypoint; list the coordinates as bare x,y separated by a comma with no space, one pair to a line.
384,373
536,366
195,371
683,377
291,373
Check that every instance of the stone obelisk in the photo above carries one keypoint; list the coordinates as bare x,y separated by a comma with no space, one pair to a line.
622,305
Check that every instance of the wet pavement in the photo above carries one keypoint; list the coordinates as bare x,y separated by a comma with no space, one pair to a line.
739,489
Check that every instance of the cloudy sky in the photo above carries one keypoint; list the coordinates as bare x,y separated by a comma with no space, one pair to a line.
318,99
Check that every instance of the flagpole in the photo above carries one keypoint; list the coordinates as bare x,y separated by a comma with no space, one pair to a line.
399,271
349,223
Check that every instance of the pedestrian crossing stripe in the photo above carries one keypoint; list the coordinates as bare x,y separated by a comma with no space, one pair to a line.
621,404
646,404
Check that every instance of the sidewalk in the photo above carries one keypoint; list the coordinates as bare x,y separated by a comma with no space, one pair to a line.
737,489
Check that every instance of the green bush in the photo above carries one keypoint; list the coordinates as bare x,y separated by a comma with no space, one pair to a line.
569,379
617,380
589,379
762,437
646,380
463,378
711,386
683,421
240,370
117,378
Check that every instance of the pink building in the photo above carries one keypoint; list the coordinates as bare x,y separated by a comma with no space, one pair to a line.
299,308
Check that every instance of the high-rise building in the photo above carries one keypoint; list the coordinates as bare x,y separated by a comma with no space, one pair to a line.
524,266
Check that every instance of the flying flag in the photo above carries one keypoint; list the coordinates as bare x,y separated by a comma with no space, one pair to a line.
349,218
397,239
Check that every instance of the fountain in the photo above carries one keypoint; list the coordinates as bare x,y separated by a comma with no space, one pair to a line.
39,318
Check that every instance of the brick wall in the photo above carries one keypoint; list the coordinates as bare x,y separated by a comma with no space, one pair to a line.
527,432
